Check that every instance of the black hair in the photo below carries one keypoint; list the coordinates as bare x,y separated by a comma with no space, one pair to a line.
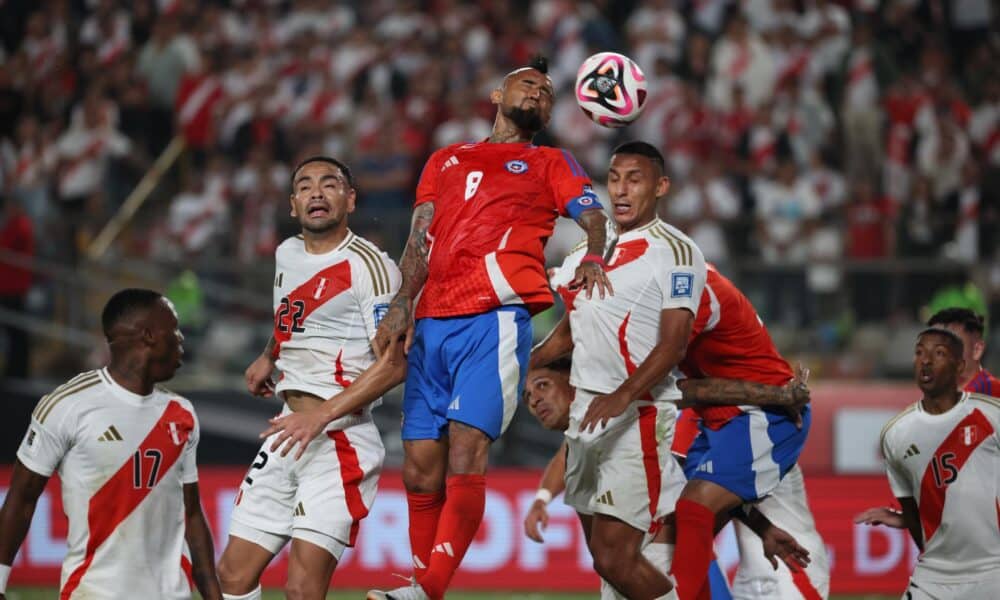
970,321
126,303
539,63
642,149
561,365
329,160
954,342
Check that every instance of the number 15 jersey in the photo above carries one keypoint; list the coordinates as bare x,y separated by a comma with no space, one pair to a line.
950,464
123,460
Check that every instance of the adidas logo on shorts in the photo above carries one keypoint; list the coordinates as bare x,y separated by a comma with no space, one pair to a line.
606,498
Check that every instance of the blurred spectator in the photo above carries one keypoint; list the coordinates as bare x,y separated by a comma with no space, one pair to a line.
16,235
786,213
162,63
84,152
702,208
740,58
655,31
464,125
27,161
198,214
865,72
870,236
941,155
260,191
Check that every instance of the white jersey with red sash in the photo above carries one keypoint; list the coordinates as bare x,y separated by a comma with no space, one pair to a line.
122,460
950,464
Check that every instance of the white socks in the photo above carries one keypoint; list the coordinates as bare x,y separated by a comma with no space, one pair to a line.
254,595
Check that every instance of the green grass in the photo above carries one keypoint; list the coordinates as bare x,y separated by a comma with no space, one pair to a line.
49,593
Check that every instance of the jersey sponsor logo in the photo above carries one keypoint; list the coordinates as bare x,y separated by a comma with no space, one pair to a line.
681,285
517,166
380,312
911,451
110,435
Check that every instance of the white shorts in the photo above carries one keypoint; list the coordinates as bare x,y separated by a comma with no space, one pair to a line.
328,491
624,470
787,508
986,587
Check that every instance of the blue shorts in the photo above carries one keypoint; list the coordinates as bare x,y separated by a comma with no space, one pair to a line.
750,454
466,369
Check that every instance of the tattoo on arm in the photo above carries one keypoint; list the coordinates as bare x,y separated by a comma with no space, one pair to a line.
413,265
593,221
729,392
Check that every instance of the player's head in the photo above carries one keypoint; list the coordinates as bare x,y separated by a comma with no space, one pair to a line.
636,179
141,328
323,194
937,361
548,394
526,96
968,326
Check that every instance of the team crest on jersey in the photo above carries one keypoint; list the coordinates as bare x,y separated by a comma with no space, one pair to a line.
380,310
320,288
970,433
517,166
681,284
179,432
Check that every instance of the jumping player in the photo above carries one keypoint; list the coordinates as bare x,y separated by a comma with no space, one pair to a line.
624,348
125,452
970,327
942,458
330,289
482,215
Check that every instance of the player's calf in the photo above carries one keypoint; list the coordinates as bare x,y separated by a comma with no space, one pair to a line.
616,549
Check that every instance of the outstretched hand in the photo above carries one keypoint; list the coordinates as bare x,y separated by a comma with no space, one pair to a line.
882,515
536,521
778,543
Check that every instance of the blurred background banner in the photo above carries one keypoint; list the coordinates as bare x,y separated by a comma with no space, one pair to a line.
865,559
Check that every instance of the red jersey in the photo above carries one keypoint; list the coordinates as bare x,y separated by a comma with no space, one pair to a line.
984,383
494,208
729,341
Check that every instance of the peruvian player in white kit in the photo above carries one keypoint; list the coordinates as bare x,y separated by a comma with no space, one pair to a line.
942,458
330,289
125,454
624,347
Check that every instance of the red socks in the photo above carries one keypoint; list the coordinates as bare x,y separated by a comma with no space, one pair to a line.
693,553
425,509
464,505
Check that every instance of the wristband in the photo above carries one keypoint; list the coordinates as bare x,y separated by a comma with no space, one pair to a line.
544,495
4,574
594,258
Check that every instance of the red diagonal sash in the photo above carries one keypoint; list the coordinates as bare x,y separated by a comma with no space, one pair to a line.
945,465
118,497
306,298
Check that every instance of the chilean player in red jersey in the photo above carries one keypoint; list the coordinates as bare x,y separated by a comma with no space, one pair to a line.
969,327
125,452
482,215
742,452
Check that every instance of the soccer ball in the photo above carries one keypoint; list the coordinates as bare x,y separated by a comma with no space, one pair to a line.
610,89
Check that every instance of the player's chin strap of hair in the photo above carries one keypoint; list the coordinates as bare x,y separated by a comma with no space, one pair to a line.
4,575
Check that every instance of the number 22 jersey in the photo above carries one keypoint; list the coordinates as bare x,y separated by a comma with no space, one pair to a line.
950,464
123,460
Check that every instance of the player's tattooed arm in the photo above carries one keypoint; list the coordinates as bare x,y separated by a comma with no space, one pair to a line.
733,392
591,273
398,320
18,507
199,541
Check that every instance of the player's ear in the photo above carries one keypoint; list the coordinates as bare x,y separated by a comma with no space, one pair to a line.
496,96
978,347
352,200
291,203
662,186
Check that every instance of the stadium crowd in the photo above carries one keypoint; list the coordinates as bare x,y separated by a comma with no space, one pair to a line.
801,133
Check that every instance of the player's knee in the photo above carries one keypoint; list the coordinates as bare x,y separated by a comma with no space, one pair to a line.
469,452
611,561
234,578
419,480
304,588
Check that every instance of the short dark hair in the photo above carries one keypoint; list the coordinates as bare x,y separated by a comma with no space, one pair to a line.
539,63
561,365
954,342
126,303
970,321
642,149
329,160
